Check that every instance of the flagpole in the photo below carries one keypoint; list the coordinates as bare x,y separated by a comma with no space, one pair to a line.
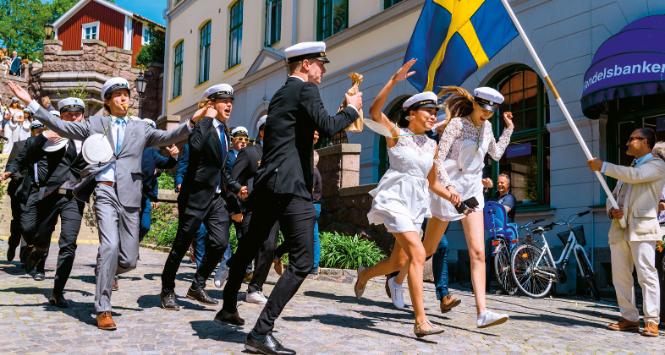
560,102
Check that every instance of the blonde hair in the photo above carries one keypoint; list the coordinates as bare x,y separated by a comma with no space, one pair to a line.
459,104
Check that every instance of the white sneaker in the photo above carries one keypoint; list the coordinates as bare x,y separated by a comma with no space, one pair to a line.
396,293
488,318
221,275
256,297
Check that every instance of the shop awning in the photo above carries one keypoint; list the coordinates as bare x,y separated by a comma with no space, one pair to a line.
630,63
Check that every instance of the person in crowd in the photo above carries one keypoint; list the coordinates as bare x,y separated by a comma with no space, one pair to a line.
117,213
4,65
151,161
202,197
283,188
505,197
45,101
18,190
15,64
635,230
13,126
197,248
317,191
401,201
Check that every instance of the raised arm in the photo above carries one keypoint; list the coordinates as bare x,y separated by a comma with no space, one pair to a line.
651,171
497,148
376,111
161,137
327,125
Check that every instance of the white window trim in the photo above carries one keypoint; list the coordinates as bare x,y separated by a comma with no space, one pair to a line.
89,25
145,30
127,34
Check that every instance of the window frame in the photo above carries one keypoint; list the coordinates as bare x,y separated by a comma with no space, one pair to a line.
273,31
324,9
178,48
540,134
390,3
204,52
146,38
85,26
234,56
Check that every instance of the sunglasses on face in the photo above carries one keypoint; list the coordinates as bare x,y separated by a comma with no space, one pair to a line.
241,139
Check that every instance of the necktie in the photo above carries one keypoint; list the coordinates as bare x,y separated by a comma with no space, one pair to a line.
120,134
222,140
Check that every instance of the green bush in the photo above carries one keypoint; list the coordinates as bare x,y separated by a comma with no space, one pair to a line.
347,252
164,226
165,181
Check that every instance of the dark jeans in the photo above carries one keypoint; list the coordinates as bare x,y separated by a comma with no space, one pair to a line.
146,218
216,220
317,241
296,219
440,268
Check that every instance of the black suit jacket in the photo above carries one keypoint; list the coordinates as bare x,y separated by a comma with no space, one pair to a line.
244,170
206,168
54,168
295,111
15,186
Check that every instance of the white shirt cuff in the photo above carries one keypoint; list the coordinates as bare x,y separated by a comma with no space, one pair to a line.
190,125
33,106
353,107
602,169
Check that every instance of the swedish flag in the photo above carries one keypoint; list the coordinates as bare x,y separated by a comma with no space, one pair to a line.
453,38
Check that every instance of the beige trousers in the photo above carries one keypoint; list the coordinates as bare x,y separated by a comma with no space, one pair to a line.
641,256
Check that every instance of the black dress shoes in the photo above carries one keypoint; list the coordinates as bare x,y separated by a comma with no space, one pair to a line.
58,300
228,317
265,344
11,252
169,301
39,276
200,295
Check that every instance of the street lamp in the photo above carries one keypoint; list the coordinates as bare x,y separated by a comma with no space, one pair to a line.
48,30
140,88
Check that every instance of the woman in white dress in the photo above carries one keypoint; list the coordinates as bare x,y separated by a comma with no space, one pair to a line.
14,126
466,140
402,199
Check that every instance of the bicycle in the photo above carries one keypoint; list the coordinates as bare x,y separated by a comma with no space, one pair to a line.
503,239
534,269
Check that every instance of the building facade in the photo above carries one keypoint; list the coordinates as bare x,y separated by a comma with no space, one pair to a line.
241,43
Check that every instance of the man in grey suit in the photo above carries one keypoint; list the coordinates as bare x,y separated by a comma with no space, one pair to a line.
117,213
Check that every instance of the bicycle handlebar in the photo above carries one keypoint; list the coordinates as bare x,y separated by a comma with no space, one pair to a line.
583,213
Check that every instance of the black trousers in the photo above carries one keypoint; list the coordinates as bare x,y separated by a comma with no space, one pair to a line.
15,229
264,257
296,219
70,211
216,220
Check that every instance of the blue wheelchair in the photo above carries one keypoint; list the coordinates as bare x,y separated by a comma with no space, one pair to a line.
503,237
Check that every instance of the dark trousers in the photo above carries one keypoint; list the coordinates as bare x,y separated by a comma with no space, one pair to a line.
296,219
145,214
70,211
440,268
15,230
264,258
29,224
216,220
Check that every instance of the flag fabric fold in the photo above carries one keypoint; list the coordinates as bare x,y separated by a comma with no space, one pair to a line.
454,38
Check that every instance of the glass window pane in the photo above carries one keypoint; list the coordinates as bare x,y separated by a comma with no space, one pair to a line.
520,162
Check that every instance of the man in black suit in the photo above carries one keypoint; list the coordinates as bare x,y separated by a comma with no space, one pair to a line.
283,188
56,168
201,198
18,192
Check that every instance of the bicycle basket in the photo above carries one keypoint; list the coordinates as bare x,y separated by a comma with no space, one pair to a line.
578,231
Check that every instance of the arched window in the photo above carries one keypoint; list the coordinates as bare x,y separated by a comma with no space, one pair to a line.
527,158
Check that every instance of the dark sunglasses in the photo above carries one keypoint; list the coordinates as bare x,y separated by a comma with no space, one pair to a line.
241,139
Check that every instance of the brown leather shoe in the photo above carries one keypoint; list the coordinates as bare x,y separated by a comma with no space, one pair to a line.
105,321
449,302
650,329
624,325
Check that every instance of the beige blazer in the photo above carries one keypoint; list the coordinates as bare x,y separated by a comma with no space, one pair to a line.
643,186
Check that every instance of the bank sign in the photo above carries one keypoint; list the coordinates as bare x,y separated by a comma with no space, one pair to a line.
628,68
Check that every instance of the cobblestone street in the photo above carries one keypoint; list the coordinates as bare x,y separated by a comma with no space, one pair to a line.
323,317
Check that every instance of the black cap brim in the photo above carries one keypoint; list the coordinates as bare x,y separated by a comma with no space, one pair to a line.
423,104
484,104
72,109
220,95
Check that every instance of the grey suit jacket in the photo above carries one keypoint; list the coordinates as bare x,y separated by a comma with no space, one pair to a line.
138,135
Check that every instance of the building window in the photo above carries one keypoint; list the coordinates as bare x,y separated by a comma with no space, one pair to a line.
90,31
273,22
235,34
389,3
204,53
177,70
527,158
333,16
146,37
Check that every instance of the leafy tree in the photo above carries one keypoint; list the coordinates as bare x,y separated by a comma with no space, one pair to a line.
152,52
22,24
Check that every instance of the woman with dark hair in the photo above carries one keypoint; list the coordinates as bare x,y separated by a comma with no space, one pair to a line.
401,200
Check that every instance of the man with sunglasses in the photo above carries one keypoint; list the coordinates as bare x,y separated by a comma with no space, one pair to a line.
202,197
283,187
634,247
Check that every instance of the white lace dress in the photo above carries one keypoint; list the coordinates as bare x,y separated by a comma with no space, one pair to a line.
460,162
402,198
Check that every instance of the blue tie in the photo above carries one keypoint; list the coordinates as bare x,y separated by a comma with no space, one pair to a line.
120,134
222,140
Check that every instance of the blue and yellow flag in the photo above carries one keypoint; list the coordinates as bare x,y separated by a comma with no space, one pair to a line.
453,38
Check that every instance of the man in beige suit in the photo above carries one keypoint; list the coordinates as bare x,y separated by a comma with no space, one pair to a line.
637,193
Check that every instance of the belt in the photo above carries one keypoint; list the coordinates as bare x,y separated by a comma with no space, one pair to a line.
107,183
65,192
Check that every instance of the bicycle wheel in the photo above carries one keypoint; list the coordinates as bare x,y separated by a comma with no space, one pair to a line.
588,274
530,278
502,270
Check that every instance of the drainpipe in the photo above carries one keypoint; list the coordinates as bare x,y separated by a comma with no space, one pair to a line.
294,22
165,73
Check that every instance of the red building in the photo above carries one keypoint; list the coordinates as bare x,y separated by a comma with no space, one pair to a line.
105,21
